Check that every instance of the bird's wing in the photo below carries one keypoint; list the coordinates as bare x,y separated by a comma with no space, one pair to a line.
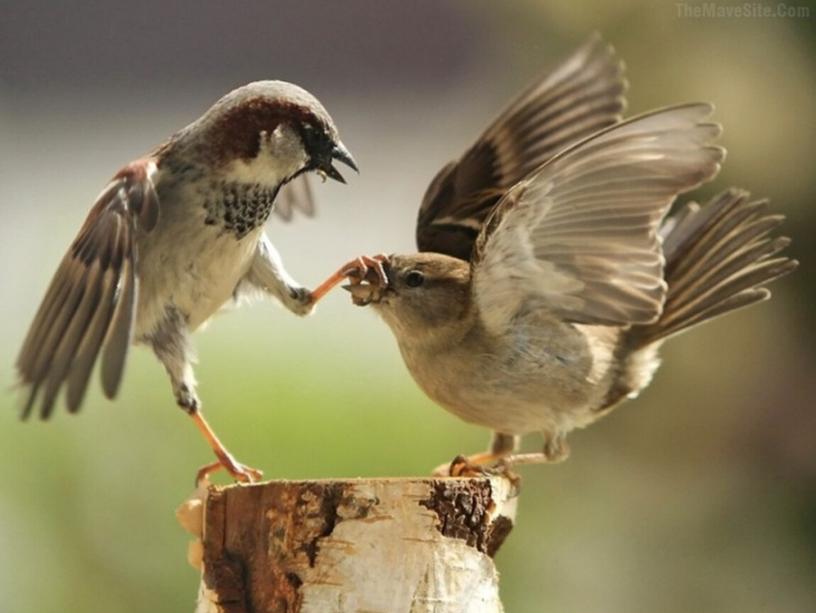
583,95
296,195
90,304
580,235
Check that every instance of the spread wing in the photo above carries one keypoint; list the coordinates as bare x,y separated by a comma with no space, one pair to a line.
295,196
89,307
582,96
580,235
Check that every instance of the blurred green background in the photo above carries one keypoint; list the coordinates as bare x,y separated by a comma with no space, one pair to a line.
698,496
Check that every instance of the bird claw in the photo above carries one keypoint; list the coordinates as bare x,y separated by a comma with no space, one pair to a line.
240,472
245,474
461,466
478,465
358,269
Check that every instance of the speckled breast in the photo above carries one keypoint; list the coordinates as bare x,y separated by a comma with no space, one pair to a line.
239,208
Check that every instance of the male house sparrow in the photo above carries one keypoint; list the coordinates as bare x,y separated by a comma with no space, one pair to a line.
173,237
547,280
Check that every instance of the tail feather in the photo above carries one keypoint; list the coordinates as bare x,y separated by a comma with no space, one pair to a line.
718,258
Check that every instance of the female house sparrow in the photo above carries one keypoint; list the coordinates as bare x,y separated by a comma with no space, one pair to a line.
543,291
173,237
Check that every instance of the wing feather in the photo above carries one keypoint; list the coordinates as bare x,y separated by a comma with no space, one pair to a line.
583,95
72,337
89,348
580,235
120,332
295,196
90,304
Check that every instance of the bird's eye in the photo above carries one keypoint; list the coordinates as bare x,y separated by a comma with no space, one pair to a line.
414,279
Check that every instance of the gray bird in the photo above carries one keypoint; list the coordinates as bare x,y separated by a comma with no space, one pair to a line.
175,236
549,274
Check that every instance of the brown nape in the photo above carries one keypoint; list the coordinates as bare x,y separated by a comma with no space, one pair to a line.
234,135
718,257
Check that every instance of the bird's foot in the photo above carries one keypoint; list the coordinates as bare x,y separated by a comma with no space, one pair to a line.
476,465
556,448
367,279
240,472
491,463
356,271
300,301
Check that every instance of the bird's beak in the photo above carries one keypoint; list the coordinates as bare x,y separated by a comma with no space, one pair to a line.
341,154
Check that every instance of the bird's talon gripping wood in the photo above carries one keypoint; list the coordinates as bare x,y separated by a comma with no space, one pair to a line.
226,460
460,467
240,472
476,465
204,472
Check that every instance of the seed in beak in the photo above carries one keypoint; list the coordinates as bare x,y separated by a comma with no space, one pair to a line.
363,294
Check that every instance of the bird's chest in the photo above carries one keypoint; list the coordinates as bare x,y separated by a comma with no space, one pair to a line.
464,378
237,208
189,265
239,197
535,377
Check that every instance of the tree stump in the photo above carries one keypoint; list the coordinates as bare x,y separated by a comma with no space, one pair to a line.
363,545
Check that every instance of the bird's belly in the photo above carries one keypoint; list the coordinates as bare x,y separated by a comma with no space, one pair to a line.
517,393
510,407
191,268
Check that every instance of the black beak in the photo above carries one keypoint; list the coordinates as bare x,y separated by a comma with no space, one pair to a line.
341,154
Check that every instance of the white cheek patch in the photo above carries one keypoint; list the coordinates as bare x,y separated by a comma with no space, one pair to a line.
285,144
280,155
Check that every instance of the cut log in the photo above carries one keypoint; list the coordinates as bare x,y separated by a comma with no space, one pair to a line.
365,545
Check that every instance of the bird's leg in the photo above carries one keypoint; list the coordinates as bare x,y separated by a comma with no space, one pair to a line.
501,445
268,274
170,342
189,402
239,472
555,450
355,270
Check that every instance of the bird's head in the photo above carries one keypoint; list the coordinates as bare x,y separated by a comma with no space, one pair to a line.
268,132
425,292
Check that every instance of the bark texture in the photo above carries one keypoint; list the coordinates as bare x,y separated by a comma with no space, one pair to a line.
367,545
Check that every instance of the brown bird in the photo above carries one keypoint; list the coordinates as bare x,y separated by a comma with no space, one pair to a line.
175,236
549,274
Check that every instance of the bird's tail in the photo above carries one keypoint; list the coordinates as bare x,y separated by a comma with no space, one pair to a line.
718,257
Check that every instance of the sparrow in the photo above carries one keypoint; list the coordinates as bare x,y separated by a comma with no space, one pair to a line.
549,273
175,236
